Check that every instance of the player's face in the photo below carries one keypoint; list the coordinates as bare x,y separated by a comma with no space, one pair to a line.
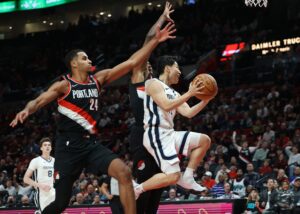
82,61
46,147
174,73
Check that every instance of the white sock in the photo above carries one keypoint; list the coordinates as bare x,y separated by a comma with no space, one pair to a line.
140,188
189,173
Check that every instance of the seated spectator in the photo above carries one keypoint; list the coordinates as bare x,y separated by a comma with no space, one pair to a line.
238,184
260,155
281,176
265,169
296,192
218,189
251,177
269,134
207,180
97,201
296,174
285,199
89,195
10,188
172,195
252,205
294,157
268,198
25,202
79,199
228,194
280,162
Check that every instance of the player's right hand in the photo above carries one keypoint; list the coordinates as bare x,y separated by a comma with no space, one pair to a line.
196,88
20,117
44,187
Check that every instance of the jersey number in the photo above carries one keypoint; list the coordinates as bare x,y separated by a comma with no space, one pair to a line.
94,104
50,173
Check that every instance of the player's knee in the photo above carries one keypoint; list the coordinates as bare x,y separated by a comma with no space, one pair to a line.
173,178
124,175
205,141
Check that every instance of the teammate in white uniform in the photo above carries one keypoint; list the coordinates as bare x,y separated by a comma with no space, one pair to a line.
42,169
163,143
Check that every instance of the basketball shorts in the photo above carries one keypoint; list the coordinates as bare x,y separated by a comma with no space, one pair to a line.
42,199
166,144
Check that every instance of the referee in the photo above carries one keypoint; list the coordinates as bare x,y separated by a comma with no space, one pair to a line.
110,188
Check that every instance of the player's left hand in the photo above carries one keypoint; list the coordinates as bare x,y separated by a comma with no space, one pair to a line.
165,33
168,10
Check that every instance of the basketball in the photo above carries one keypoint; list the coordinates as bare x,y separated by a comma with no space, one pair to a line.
210,86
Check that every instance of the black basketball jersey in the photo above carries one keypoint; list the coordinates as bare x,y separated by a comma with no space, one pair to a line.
136,97
78,108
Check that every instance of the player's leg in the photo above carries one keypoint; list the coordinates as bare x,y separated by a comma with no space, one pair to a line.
119,170
145,167
195,146
102,159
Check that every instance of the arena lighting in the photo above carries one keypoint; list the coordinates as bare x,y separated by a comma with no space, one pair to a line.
7,6
149,3
62,21
231,49
159,5
10,27
109,15
51,23
44,22
101,13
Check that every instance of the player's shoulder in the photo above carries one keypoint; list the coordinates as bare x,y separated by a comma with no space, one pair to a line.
151,82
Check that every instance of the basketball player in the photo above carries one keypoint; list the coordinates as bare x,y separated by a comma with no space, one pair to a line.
162,142
144,166
77,146
42,168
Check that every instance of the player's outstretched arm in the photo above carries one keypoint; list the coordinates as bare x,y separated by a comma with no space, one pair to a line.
54,92
109,75
189,112
142,67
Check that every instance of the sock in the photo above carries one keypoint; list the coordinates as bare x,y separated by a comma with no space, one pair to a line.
189,173
140,189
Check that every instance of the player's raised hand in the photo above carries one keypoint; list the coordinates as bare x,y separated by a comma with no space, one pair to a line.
167,11
20,117
165,33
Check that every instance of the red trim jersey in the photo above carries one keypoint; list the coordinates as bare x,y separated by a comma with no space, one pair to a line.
78,108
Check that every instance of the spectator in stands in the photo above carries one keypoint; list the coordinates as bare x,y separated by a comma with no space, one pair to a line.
280,161
238,184
265,169
172,195
296,192
296,174
294,157
260,155
269,134
79,199
89,195
251,177
245,152
268,198
25,201
11,201
10,188
97,201
207,180
281,176
218,189
252,206
285,199
228,194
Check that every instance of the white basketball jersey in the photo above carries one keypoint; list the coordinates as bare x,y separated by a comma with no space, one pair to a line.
154,115
239,187
43,170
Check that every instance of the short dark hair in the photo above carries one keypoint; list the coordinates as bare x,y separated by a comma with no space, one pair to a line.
45,139
162,62
70,56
